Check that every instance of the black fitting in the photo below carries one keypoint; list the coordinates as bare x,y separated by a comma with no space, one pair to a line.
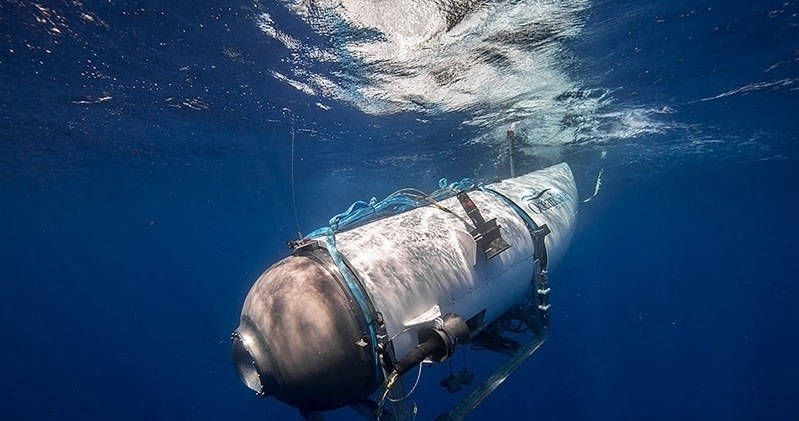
418,354
437,343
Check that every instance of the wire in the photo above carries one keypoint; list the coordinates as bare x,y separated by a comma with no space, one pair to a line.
416,383
407,329
293,187
389,383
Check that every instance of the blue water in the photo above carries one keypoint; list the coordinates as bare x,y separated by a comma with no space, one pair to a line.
145,177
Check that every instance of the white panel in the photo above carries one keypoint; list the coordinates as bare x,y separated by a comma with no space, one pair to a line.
416,260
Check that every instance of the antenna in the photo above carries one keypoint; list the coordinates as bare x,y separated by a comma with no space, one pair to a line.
293,187
511,136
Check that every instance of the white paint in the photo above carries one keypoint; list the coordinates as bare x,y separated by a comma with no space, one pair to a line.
415,261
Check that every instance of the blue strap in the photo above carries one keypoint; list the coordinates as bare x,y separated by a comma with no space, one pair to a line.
531,225
358,293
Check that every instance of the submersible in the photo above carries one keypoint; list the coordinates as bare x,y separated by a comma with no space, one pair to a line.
355,308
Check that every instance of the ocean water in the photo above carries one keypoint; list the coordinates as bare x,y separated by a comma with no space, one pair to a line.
146,180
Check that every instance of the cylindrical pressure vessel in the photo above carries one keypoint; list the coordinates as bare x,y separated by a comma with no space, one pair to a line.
307,334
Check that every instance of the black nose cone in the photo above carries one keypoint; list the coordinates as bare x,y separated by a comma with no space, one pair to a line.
302,338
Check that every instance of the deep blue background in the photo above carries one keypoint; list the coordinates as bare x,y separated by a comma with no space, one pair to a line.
132,230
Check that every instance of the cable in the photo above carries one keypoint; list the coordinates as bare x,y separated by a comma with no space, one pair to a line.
293,187
416,383
389,383
400,201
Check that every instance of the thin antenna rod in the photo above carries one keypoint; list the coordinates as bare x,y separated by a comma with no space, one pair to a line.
293,188
511,135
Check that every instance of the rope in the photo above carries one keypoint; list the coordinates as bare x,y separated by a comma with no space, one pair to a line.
400,201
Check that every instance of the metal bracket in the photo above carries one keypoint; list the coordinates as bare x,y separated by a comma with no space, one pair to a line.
541,275
485,233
